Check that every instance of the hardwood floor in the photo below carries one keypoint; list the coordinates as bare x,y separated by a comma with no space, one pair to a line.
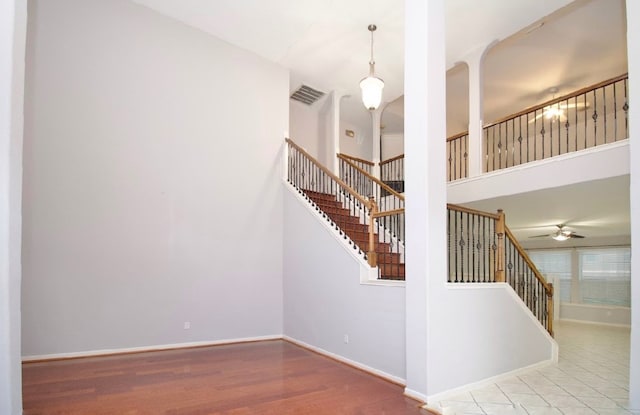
271,377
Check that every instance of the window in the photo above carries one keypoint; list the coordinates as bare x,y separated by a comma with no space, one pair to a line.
555,264
605,276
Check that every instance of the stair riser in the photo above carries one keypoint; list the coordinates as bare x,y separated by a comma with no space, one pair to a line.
388,262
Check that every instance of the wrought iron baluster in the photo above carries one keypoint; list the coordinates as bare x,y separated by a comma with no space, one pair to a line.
625,107
455,227
576,122
595,118
604,110
535,139
551,121
615,113
486,156
472,247
455,159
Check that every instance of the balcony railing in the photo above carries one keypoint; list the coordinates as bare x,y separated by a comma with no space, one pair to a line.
482,249
586,118
458,156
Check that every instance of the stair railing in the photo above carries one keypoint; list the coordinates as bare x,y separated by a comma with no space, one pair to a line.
392,172
388,217
359,179
308,176
482,249
365,165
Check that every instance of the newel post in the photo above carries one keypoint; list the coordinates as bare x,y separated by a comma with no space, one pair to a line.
372,256
500,259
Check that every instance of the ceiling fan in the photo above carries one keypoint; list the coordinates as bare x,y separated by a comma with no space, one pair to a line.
557,111
562,234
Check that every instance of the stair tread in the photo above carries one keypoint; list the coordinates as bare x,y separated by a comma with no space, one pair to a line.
389,263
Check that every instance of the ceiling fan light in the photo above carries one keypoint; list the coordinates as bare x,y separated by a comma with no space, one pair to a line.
553,113
561,236
371,92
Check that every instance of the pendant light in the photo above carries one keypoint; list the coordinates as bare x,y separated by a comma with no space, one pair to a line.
371,85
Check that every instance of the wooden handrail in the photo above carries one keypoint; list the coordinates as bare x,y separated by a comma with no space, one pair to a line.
328,172
372,256
455,137
398,157
560,99
472,211
375,180
356,159
547,287
388,213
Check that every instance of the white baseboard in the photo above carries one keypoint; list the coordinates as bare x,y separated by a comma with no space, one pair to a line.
593,323
103,352
415,395
342,359
432,399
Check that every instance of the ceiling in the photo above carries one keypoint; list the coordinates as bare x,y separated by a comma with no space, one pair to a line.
598,210
325,44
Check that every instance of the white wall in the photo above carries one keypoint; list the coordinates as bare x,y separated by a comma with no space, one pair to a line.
488,331
13,23
324,300
304,127
633,50
359,146
152,188
392,145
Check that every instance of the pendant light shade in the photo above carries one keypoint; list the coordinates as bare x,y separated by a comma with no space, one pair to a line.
371,85
371,92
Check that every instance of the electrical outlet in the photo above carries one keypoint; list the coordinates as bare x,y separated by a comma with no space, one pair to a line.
187,325
346,339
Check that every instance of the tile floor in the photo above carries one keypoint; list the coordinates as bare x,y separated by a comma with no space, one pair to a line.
591,377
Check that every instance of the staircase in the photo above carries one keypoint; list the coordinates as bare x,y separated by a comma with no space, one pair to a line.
390,264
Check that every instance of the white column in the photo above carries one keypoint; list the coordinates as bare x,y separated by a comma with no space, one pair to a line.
633,51
475,62
13,22
376,117
335,132
425,175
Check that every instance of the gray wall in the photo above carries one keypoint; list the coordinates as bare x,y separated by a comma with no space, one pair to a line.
13,23
152,192
324,300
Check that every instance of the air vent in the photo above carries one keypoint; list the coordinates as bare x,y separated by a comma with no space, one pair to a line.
307,95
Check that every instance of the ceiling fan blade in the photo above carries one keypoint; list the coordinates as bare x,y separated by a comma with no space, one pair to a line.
541,236
574,235
580,106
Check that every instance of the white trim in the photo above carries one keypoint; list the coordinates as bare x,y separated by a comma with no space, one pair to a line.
416,395
373,280
483,383
597,306
103,352
593,323
342,359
